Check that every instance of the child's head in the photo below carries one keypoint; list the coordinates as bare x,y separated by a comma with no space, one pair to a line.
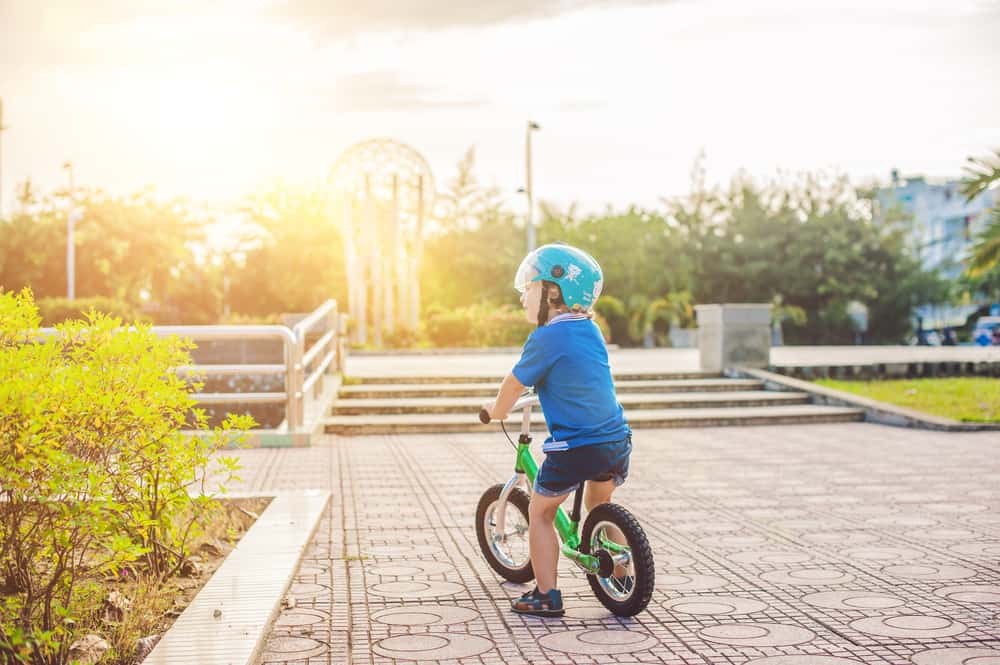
542,300
557,278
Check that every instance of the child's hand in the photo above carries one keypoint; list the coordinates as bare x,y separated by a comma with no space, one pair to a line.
488,407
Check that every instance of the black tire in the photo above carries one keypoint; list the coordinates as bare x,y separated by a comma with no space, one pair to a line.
511,570
619,600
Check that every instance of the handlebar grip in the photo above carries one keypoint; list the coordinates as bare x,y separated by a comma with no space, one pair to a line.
484,416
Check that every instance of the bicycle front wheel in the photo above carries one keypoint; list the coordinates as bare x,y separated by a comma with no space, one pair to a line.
507,552
625,583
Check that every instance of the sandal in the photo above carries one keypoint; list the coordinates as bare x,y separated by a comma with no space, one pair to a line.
540,604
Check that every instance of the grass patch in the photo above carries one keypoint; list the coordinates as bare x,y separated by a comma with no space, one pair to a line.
968,399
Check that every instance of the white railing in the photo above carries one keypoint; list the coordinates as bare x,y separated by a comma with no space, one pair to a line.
292,394
299,385
326,350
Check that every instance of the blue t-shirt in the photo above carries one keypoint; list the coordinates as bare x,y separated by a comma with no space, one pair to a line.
567,363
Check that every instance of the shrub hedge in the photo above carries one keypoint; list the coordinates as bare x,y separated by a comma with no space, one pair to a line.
94,470
478,325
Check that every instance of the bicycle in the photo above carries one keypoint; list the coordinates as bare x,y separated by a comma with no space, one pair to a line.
612,538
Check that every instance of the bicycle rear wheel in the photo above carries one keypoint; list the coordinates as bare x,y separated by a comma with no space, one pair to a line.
507,553
606,526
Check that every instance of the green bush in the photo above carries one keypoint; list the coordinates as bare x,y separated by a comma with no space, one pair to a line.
613,319
58,310
402,338
446,329
94,470
477,326
238,319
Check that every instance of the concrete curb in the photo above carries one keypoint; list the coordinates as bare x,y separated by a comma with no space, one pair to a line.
493,380
875,411
229,620
637,419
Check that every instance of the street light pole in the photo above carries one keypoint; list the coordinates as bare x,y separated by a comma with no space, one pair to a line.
530,224
71,220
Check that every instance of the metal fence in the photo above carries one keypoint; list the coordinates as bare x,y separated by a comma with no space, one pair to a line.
326,352
303,368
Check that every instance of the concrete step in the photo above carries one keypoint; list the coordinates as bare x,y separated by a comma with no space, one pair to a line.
641,419
489,389
382,379
631,401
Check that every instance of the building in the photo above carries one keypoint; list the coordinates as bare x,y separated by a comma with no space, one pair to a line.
943,226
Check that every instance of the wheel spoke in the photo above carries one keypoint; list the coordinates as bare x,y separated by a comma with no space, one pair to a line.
509,548
604,538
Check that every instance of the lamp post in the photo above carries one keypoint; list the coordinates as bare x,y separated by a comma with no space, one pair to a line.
530,224
74,216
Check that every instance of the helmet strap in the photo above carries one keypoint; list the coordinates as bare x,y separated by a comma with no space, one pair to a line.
543,307
547,301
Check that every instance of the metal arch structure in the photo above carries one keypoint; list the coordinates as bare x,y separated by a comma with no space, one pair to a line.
387,191
382,164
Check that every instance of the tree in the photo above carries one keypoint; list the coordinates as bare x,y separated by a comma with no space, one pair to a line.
637,250
466,203
125,246
290,256
644,315
32,253
811,240
983,174
474,246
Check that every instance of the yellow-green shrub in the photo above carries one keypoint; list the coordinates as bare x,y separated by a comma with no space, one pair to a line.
94,469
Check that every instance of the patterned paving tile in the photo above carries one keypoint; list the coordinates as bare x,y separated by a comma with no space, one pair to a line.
804,545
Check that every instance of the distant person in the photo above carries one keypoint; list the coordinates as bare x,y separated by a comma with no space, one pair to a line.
950,338
996,336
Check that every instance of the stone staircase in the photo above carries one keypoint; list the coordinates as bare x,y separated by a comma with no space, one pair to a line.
423,404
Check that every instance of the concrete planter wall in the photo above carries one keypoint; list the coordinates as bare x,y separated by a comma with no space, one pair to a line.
734,335
683,338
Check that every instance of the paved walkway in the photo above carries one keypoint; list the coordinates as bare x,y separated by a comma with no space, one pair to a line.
804,545
668,360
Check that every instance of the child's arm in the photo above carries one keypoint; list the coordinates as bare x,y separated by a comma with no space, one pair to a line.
509,391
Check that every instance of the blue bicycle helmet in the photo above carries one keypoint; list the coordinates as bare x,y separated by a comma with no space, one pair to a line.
574,270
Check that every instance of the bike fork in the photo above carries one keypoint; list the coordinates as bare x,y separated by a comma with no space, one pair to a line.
570,546
501,514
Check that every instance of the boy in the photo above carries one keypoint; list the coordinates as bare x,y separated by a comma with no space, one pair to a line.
565,359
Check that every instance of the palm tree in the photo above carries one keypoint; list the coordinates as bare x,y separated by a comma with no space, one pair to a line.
643,315
681,310
983,173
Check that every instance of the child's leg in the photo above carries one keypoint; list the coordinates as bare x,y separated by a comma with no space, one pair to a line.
596,493
543,542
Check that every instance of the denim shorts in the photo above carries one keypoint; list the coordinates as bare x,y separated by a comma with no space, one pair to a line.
562,471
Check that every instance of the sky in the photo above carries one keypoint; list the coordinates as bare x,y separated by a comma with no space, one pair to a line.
212,99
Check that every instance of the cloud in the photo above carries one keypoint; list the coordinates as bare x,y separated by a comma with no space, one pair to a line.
338,18
388,91
55,32
575,105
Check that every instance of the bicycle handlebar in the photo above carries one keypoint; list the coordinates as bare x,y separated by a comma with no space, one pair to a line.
525,401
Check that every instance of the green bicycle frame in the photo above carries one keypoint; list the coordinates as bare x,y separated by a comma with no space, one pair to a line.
567,528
